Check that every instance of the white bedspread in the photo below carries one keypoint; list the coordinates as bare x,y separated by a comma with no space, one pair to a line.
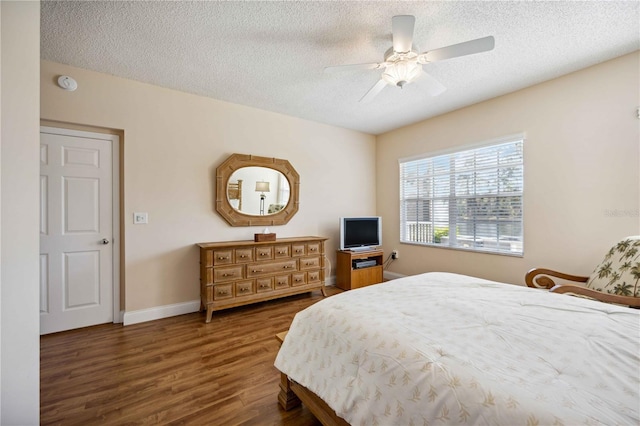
441,348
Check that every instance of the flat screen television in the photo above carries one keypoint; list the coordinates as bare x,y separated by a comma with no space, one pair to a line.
360,233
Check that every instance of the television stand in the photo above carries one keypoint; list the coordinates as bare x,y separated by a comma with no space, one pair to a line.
349,277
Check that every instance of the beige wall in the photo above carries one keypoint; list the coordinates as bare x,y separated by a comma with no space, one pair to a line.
174,141
582,180
582,142
19,201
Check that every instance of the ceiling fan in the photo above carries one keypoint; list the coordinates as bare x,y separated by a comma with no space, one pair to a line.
403,65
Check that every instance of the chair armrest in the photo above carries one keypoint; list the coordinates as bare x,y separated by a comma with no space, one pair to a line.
545,282
630,301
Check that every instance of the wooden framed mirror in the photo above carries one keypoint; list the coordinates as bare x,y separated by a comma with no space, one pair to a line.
256,191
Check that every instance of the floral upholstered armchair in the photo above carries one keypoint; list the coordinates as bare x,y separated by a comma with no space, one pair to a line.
614,280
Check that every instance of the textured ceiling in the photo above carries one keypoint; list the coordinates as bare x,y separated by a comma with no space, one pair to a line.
271,55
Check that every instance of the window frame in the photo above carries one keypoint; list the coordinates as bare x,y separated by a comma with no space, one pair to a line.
510,245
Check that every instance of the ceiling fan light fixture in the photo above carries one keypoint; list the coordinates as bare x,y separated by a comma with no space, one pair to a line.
401,72
403,64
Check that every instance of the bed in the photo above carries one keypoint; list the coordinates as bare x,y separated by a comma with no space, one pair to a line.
442,348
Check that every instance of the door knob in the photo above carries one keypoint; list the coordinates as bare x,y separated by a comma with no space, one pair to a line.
105,241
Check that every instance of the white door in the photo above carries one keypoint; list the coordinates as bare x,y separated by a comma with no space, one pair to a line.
76,229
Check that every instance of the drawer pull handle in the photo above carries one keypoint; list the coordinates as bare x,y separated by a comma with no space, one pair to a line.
223,258
286,267
257,270
298,280
243,256
223,292
243,289
263,286
298,250
228,275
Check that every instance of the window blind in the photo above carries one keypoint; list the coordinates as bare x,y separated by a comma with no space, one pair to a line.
469,199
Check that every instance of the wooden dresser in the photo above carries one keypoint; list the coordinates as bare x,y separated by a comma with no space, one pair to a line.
236,273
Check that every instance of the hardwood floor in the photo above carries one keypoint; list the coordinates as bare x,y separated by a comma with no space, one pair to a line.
177,370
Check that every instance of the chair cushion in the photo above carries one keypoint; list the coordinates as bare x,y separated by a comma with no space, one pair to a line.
619,272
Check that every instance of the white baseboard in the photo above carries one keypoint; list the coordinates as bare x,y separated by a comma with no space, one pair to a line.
159,312
166,311
392,275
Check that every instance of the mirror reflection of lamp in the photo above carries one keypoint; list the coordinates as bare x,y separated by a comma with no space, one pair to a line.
262,187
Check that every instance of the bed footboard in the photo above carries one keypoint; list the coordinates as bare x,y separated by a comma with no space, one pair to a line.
287,397
292,394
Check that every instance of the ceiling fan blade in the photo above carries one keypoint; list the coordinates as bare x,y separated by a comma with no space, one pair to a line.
339,68
461,49
402,27
429,84
377,88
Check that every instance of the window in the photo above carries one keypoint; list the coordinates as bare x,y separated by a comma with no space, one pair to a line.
469,199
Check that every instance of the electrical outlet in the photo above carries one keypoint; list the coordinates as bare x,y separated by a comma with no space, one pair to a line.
395,254
140,218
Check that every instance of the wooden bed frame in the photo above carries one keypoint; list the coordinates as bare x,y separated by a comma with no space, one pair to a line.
293,394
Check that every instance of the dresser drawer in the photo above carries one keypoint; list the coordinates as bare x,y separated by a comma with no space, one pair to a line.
222,291
244,255
299,249
267,268
227,273
244,288
298,278
313,277
282,281
264,284
282,251
264,253
222,257
313,248
310,263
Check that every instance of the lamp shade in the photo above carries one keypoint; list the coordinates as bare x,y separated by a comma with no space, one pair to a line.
262,186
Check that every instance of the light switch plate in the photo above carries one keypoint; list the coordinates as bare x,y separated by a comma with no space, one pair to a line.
140,218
